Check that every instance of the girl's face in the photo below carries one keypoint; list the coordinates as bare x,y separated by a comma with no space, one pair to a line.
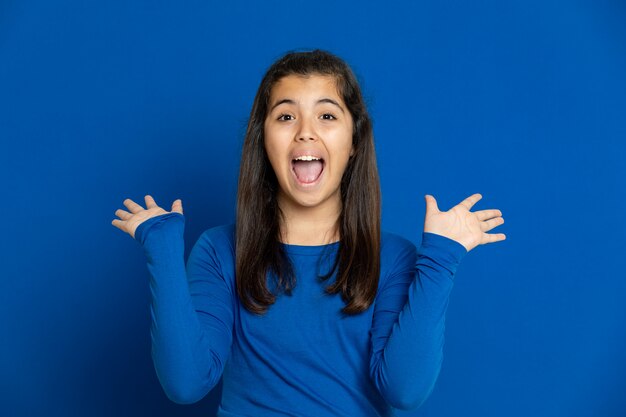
308,139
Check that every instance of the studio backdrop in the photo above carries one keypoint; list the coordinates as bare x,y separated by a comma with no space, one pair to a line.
523,102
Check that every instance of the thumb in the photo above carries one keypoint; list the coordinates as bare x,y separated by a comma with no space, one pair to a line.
177,206
431,204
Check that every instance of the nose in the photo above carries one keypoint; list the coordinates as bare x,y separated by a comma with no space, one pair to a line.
306,132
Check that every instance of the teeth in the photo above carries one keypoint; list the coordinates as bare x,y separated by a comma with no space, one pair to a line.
307,158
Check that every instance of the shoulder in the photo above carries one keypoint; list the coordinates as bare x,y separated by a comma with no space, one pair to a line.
214,254
218,239
395,248
397,254
391,243
224,233
398,257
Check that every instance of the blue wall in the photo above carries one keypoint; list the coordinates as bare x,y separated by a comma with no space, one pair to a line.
523,102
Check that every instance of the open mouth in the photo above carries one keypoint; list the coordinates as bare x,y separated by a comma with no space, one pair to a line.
307,169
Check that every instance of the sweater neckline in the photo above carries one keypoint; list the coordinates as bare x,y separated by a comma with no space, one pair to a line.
308,250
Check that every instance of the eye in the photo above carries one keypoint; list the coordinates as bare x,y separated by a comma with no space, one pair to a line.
328,116
284,117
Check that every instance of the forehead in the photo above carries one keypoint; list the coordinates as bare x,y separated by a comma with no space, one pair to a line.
300,86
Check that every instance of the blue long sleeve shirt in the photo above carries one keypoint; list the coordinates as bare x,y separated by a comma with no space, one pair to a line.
303,357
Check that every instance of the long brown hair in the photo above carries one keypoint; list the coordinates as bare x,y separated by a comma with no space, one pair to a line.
258,248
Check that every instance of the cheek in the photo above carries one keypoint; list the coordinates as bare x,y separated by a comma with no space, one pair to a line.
340,161
343,149
271,155
269,143
275,153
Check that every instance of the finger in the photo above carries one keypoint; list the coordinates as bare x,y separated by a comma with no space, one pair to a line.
491,238
470,201
487,214
431,204
123,214
490,224
132,206
177,206
119,224
150,203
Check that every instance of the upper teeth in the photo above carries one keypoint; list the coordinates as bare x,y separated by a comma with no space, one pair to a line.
307,158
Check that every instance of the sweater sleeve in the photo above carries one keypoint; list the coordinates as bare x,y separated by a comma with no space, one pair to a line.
408,324
191,310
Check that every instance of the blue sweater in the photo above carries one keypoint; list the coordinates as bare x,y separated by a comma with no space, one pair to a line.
303,357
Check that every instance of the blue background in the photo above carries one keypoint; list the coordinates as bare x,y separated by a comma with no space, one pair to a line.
524,102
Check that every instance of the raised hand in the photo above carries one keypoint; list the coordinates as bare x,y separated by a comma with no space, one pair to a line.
459,224
130,221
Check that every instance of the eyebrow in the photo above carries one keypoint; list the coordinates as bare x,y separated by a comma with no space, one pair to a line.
321,100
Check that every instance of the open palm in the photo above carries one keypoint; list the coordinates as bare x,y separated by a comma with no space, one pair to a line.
137,215
460,224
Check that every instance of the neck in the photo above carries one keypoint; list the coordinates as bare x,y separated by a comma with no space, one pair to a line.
310,226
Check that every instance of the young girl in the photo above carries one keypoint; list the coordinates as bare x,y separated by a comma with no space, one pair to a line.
304,307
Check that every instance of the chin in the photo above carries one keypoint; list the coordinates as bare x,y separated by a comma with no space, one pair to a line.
308,201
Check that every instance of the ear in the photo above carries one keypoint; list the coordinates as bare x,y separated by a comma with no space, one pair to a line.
352,151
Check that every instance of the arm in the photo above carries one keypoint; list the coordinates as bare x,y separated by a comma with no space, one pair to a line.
191,311
409,321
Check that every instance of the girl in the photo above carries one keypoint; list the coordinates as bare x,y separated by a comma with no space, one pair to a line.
304,307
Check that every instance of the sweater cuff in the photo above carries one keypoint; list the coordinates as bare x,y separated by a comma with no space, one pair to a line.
156,222
442,248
